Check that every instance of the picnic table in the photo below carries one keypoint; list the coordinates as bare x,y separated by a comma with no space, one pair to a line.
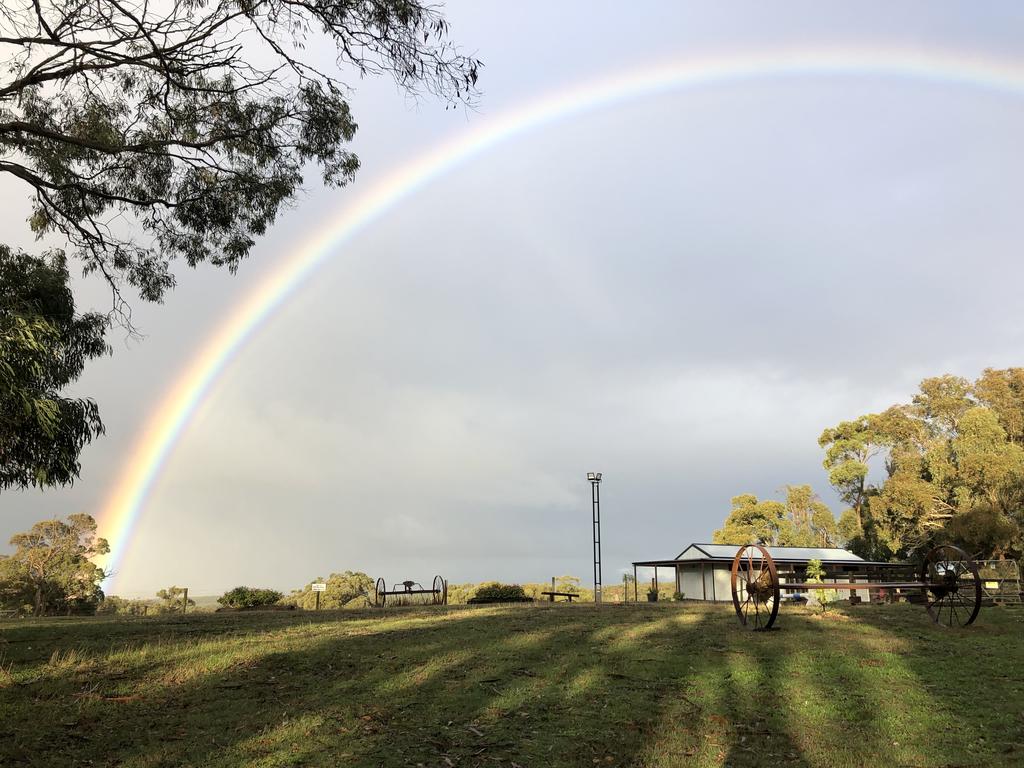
567,595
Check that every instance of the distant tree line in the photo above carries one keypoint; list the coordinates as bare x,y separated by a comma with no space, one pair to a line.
945,467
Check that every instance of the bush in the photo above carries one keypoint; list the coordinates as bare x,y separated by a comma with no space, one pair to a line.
119,606
249,597
351,589
499,593
824,597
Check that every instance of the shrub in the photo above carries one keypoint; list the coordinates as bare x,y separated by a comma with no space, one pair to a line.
823,597
119,606
249,597
499,593
350,589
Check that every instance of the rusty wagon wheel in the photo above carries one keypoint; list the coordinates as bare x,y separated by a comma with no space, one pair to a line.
378,593
953,586
755,587
440,588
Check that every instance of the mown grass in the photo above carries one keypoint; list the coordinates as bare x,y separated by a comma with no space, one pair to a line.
527,686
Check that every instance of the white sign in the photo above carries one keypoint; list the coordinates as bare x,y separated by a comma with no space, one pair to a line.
319,587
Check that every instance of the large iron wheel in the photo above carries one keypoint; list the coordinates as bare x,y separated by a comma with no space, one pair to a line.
378,593
953,591
755,587
440,591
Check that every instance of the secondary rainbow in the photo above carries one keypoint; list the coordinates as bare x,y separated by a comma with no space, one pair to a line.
164,427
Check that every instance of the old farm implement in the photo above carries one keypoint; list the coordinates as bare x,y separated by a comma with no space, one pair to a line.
408,592
948,585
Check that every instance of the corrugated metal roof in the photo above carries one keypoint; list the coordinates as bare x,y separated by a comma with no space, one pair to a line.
728,552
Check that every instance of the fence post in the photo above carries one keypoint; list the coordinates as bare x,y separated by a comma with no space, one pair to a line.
184,601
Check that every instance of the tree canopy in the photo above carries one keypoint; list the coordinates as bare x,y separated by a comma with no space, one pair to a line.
44,346
51,570
147,132
803,520
950,466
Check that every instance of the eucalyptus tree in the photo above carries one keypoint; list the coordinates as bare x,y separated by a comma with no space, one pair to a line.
803,520
148,134
44,345
194,120
953,460
53,563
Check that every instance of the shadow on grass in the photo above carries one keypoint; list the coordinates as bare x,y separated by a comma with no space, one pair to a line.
528,686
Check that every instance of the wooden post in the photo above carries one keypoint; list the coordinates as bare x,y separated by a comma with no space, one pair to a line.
317,600
636,595
552,595
184,601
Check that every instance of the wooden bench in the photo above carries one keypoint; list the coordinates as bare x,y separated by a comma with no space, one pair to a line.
567,595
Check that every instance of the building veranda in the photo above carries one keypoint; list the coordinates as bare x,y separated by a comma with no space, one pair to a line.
704,571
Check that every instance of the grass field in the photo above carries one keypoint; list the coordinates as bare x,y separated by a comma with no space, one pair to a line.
528,686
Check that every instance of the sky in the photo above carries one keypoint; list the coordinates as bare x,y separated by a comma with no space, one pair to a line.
679,290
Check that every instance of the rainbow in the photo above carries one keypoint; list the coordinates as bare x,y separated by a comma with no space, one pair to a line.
163,429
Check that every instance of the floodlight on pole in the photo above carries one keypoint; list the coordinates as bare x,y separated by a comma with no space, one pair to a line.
595,499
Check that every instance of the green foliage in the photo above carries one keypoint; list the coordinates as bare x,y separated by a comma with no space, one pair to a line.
120,606
168,121
496,592
568,584
815,571
460,594
51,570
802,521
164,124
16,592
816,575
249,597
954,469
43,348
172,600
349,589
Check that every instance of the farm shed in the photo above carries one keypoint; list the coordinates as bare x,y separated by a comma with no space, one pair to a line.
703,571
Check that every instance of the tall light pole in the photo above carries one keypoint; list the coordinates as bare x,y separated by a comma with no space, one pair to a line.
595,498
